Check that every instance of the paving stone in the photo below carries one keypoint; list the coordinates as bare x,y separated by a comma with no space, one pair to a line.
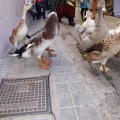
61,88
67,53
73,48
65,56
72,77
7,62
70,40
81,98
55,58
28,73
38,66
45,72
5,67
43,117
30,117
76,87
70,69
14,73
32,60
25,117
19,61
67,114
38,71
87,113
64,29
16,67
3,72
61,47
56,63
60,39
9,58
3,76
76,55
7,118
30,66
64,100
59,43
67,62
57,70
58,78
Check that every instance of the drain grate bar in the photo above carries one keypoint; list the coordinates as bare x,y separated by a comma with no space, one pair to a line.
25,95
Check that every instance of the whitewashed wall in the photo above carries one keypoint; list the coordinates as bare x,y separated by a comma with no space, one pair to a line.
116,8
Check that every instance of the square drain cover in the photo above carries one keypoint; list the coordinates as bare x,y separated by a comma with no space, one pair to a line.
25,95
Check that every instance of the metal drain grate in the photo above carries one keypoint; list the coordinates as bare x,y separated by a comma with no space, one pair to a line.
24,95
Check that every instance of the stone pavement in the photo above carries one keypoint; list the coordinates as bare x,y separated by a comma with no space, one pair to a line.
76,94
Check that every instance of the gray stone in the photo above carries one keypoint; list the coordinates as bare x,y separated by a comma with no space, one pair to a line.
28,73
31,60
56,63
30,66
64,100
55,58
7,62
57,70
58,78
76,87
67,62
72,77
81,98
16,67
70,69
3,76
67,114
87,113
14,73
19,61
3,72
5,68
45,72
38,72
61,88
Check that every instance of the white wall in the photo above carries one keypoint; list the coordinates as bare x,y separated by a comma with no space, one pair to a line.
116,8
